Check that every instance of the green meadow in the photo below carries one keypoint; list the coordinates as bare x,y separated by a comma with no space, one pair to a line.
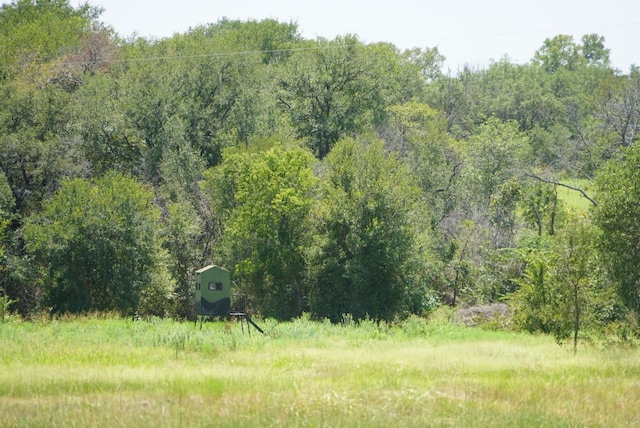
573,198
109,372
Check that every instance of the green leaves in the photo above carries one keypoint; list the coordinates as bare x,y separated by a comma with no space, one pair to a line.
267,229
212,121
38,31
494,157
562,291
618,218
335,89
364,239
99,243
559,52
562,52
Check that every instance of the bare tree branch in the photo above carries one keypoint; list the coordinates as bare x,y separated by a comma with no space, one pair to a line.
557,183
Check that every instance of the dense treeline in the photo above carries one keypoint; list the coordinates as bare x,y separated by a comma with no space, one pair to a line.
330,176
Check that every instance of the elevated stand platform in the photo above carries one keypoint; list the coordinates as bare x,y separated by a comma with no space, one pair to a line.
240,310
236,307
246,317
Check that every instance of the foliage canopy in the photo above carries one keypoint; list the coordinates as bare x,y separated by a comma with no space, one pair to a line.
330,176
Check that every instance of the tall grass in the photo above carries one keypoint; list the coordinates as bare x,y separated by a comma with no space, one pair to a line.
113,372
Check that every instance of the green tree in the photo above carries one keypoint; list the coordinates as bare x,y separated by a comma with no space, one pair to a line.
428,60
456,97
418,133
559,52
561,291
36,151
620,111
215,90
37,31
267,231
191,224
187,90
100,247
7,204
617,216
542,209
575,270
594,51
334,89
272,38
494,155
364,239
324,92
186,253
460,268
536,301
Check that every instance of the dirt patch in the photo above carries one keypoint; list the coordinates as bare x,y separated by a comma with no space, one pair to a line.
482,314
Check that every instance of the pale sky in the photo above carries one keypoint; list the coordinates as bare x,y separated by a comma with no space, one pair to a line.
471,32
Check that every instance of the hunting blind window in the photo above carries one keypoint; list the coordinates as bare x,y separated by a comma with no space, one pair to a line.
215,286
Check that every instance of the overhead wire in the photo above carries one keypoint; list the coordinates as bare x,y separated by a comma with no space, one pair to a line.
342,46
326,46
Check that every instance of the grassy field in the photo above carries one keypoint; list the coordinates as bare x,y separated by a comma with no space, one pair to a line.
105,372
573,198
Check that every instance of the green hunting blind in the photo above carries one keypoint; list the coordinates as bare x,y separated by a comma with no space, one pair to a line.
213,296
213,291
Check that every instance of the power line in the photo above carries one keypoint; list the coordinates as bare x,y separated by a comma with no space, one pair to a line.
192,56
216,54
344,46
320,47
